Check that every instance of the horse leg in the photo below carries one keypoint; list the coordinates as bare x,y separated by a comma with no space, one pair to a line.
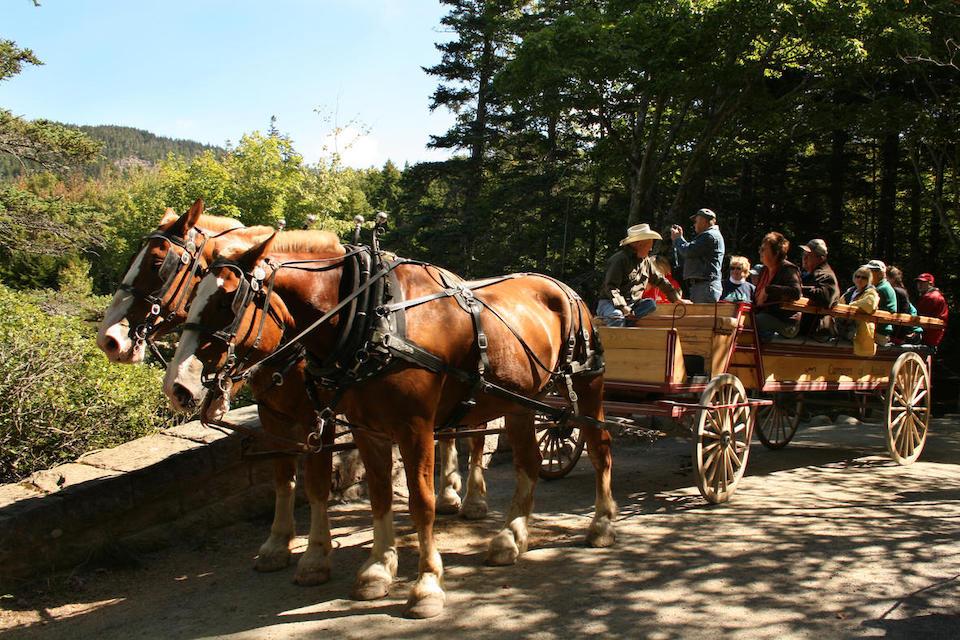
274,554
475,501
377,573
590,392
314,565
426,597
450,481
511,541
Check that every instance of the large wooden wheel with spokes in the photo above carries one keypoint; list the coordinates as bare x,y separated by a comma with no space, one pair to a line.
722,438
908,408
560,448
777,422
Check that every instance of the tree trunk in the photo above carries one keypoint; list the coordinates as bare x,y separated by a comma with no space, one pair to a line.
838,173
887,207
916,201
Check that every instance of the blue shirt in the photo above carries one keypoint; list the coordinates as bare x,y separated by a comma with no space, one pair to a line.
703,255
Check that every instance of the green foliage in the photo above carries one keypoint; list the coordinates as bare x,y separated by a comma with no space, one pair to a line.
61,395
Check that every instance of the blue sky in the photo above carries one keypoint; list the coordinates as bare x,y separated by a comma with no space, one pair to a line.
211,70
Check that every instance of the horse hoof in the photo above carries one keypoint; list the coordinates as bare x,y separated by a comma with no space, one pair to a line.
474,510
448,503
503,549
311,576
370,589
426,598
601,534
272,560
429,606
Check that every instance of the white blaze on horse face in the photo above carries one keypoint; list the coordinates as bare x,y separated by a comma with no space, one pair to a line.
113,336
185,369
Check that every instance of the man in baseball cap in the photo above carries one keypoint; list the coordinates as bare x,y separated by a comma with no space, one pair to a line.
819,284
702,257
931,303
888,298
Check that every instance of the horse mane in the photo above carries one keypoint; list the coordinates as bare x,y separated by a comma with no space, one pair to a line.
308,241
206,222
317,242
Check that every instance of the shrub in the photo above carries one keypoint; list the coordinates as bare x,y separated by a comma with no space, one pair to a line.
59,396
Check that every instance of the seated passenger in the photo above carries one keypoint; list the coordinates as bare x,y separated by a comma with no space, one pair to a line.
755,274
931,303
903,333
779,282
888,299
662,263
737,288
626,277
863,296
820,287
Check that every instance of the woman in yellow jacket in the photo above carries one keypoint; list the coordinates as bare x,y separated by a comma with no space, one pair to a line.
866,300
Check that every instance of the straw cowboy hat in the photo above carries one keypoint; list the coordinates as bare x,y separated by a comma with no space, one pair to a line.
639,232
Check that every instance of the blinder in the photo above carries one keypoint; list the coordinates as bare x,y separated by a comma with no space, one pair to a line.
170,269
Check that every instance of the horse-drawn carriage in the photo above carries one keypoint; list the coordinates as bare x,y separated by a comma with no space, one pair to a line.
401,346
703,361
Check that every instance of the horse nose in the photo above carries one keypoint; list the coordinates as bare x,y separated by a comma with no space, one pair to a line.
113,342
184,397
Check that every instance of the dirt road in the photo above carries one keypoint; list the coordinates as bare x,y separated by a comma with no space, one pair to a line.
825,538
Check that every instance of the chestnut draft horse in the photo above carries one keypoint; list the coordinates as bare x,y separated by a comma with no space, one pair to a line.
155,290
519,333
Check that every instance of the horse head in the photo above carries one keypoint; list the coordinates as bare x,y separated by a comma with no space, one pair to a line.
233,323
156,286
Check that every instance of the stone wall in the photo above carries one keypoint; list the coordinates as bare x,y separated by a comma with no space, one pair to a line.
140,496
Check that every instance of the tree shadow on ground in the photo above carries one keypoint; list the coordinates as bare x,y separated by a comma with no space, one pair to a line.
817,541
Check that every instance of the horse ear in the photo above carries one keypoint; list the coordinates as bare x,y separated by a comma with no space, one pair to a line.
256,253
188,220
169,216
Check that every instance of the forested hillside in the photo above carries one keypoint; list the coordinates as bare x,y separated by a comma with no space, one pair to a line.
123,147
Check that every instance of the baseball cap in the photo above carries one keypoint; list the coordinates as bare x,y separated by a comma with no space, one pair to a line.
817,245
755,269
877,265
706,213
925,277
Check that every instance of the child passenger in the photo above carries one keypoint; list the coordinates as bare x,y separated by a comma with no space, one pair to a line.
662,263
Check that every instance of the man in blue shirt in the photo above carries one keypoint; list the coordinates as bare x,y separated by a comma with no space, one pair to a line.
701,256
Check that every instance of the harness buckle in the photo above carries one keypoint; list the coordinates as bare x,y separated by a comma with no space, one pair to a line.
155,309
482,340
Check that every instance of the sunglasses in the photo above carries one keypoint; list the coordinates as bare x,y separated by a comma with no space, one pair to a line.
860,277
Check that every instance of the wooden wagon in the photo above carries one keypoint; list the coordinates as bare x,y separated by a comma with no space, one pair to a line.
705,361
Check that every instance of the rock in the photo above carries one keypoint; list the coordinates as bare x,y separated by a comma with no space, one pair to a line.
820,420
845,419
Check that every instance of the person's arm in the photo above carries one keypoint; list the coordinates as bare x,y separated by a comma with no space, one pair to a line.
822,290
788,289
660,282
942,310
612,278
702,245
868,302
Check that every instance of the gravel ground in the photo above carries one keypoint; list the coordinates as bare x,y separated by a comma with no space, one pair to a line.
824,538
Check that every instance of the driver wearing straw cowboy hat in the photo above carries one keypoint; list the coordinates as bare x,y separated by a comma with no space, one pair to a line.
628,272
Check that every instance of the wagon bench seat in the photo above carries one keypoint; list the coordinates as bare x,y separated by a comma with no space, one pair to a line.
846,311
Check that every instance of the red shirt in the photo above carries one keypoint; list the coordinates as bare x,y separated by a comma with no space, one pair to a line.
933,304
655,294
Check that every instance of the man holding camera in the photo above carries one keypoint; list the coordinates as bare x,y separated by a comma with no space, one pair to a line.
702,257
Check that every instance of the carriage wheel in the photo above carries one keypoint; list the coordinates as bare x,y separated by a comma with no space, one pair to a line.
722,438
777,423
908,408
560,448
